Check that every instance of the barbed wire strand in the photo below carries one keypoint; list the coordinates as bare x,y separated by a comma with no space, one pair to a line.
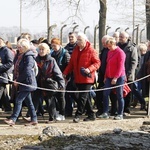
101,89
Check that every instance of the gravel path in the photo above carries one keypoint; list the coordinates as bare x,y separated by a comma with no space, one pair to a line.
15,137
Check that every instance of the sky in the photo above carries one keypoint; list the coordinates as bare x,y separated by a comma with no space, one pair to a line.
10,16
35,20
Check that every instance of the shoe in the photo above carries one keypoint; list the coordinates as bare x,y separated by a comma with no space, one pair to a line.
27,119
60,117
127,110
89,119
104,116
32,123
126,114
51,120
118,117
98,113
76,120
8,117
113,114
143,107
134,103
9,122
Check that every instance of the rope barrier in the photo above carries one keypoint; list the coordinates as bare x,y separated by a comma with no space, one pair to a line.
102,89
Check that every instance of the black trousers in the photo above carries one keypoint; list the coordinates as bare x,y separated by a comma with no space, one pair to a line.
128,99
84,100
37,98
70,98
51,105
60,97
4,97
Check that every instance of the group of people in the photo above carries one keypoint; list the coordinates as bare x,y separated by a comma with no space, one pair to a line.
67,76
117,68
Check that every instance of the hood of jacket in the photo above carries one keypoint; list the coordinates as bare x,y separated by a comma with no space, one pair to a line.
29,53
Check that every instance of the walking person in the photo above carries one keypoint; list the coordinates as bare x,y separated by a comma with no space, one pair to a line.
48,69
137,86
70,97
114,75
84,62
62,58
6,63
26,75
101,76
131,63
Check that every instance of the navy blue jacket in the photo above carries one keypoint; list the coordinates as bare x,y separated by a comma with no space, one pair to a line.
103,58
6,62
26,72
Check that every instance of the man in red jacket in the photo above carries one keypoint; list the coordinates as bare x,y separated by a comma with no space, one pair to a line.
84,62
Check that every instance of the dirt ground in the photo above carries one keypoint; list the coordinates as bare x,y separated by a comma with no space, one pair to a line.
132,122
92,135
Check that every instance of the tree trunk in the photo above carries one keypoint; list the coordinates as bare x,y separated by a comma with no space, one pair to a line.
148,18
102,21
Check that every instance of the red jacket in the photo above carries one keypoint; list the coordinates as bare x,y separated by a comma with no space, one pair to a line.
115,67
87,58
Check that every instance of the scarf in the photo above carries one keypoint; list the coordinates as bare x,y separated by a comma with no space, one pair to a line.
16,66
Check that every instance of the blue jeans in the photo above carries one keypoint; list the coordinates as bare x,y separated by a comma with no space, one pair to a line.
119,92
24,96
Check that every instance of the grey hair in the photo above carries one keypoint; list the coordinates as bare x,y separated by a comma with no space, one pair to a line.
81,34
105,37
125,34
116,34
142,47
44,46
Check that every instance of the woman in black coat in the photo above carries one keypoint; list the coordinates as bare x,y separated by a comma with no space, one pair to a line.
48,69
